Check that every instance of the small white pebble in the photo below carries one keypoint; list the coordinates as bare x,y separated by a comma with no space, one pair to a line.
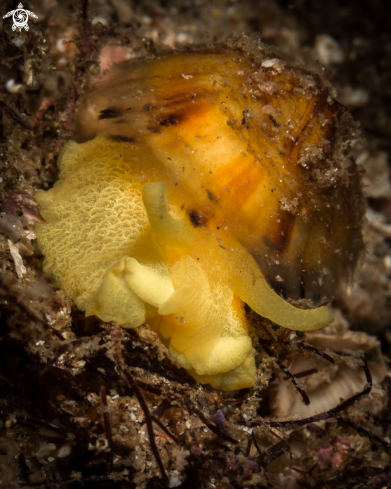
19,267
8,423
31,235
18,41
268,63
354,97
13,87
175,481
275,63
328,50
99,20
46,449
387,262
182,37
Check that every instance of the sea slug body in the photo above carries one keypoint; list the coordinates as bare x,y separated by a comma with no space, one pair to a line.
187,197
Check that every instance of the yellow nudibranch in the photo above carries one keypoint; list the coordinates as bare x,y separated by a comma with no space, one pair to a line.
201,182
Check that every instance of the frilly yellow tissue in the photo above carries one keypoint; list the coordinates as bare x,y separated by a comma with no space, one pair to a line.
120,244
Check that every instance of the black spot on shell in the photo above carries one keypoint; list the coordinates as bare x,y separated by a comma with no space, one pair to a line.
153,129
148,108
110,113
170,120
275,123
211,195
302,290
195,219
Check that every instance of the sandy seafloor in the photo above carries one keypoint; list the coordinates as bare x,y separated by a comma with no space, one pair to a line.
57,425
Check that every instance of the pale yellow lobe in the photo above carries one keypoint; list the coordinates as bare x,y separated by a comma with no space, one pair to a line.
125,251
114,301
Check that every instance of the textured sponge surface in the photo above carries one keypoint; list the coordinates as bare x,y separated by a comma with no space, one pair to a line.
83,212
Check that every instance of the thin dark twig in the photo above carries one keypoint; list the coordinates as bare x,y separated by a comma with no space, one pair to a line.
256,444
4,378
62,373
107,423
14,116
291,377
305,346
239,400
283,337
306,373
86,22
268,333
364,432
166,430
149,388
45,424
272,453
207,423
86,49
249,444
274,434
128,378
165,404
57,333
131,383
367,389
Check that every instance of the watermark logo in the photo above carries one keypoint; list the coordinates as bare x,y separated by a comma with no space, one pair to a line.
20,16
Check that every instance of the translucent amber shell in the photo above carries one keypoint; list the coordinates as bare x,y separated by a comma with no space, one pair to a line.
254,146
205,181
